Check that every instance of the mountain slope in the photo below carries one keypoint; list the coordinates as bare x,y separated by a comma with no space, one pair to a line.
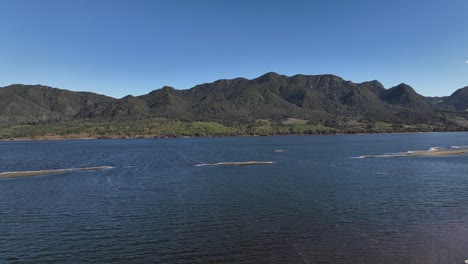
405,96
34,103
316,99
457,101
277,97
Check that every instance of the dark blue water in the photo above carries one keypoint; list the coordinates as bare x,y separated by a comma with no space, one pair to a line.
316,204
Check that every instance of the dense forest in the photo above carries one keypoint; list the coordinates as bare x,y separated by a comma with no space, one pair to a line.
271,104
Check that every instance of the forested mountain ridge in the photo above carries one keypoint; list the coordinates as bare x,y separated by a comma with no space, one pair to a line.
318,100
34,103
270,96
458,101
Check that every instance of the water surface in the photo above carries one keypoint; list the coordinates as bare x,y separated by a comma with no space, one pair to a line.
314,204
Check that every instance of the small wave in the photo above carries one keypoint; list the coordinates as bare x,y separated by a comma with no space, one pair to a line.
381,173
459,147
238,163
15,174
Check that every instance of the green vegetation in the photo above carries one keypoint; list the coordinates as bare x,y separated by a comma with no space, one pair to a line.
161,127
271,104
116,129
382,127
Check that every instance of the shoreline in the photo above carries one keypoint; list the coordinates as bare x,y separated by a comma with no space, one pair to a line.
71,137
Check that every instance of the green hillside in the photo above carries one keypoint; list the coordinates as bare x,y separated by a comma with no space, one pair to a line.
271,104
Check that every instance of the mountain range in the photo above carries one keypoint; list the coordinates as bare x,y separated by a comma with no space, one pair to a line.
317,99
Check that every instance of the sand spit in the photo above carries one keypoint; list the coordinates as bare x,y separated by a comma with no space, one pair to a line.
434,151
240,163
45,172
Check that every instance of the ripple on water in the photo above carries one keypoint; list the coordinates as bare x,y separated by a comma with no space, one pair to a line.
314,205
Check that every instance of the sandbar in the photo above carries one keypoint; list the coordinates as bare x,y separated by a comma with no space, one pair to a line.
238,163
421,153
15,174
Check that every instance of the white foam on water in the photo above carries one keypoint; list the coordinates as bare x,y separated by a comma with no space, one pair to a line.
203,164
434,149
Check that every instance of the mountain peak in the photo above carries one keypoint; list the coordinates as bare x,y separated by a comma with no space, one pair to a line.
269,76
373,83
168,88
404,95
457,101
404,86
461,91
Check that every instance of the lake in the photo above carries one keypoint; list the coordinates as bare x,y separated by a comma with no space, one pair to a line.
314,204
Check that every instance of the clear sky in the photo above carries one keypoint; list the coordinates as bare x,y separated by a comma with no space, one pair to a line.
133,47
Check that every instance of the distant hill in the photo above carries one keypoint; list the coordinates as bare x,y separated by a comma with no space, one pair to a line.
325,100
271,96
405,96
34,103
458,101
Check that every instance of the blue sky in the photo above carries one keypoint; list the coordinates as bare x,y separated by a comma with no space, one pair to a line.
133,47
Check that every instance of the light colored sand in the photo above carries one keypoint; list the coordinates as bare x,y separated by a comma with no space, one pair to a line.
241,163
45,172
439,152
421,153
